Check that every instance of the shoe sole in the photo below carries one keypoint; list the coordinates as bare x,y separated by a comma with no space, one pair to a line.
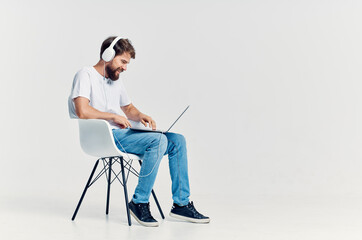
206,220
146,224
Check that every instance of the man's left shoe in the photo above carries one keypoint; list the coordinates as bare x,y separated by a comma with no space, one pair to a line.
141,212
188,213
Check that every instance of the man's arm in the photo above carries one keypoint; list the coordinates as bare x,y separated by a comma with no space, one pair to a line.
134,114
85,111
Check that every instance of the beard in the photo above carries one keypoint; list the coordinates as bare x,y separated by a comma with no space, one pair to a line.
113,73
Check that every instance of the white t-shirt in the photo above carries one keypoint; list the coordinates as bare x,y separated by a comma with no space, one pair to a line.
104,95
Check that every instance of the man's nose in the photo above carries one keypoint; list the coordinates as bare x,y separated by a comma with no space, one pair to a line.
124,68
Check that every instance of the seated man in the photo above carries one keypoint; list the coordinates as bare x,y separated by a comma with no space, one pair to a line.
98,93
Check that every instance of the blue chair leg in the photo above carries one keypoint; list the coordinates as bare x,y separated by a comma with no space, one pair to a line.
109,183
125,191
85,190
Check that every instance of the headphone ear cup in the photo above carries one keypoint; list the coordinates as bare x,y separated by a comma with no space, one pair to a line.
108,54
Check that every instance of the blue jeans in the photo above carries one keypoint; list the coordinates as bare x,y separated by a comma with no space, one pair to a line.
151,147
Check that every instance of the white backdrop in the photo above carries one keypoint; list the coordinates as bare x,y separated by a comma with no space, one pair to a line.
274,88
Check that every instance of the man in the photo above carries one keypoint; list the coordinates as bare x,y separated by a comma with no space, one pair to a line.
98,93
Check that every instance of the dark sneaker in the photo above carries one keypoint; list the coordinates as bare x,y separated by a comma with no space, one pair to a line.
141,212
188,213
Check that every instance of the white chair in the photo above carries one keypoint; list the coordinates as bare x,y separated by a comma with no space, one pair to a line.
96,139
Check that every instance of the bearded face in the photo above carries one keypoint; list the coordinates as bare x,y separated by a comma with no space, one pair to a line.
113,72
117,65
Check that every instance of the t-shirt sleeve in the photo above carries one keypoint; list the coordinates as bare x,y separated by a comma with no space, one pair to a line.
125,100
81,85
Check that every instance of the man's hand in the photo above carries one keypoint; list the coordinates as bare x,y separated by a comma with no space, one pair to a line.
144,119
134,114
122,121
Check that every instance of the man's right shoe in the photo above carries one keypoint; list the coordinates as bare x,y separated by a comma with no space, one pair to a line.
141,212
188,213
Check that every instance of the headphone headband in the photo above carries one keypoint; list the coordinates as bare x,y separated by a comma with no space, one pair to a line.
114,41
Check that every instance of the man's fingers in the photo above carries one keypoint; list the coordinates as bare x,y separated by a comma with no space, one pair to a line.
150,123
153,124
124,123
144,122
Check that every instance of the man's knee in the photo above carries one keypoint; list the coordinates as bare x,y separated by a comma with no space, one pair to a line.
179,139
159,141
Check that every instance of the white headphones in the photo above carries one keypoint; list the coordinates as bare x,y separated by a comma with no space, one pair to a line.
109,53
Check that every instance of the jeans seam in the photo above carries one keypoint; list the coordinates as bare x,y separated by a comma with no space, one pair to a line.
178,170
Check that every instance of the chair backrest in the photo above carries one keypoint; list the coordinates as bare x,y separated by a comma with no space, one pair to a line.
96,138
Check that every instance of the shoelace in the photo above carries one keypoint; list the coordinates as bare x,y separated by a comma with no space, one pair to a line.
145,209
193,209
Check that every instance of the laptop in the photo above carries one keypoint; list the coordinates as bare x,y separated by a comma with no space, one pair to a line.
137,126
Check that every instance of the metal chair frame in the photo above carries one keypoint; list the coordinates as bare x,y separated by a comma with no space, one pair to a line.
107,171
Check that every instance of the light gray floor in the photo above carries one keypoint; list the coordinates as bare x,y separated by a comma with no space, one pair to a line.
243,217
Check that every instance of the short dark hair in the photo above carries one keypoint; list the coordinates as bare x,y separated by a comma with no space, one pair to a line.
122,45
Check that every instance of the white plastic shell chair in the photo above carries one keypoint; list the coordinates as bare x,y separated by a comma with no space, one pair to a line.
96,139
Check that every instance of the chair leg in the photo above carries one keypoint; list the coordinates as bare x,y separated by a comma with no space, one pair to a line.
154,196
158,205
109,183
85,190
125,191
